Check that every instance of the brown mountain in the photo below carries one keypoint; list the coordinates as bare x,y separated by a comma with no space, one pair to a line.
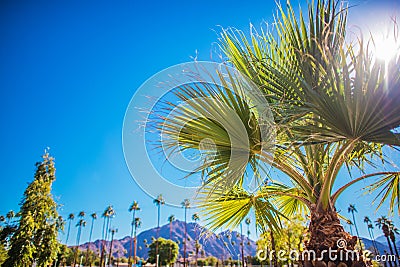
223,246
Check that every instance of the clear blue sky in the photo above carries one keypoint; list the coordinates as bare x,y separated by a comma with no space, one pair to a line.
68,70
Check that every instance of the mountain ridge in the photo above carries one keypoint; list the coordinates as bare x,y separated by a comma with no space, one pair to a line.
223,245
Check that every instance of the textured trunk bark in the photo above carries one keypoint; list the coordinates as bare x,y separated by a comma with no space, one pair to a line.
275,259
332,245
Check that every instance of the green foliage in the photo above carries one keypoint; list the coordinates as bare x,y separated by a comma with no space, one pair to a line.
325,96
230,208
291,237
3,254
165,247
67,255
209,261
64,255
334,104
35,239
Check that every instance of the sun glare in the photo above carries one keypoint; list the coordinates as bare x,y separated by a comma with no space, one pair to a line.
386,48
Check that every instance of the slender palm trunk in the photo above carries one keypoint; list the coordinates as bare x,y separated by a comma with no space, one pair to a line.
184,243
134,245
158,231
170,237
197,245
69,229
351,229
355,226
87,249
111,236
371,235
111,244
390,246
102,244
273,248
78,237
105,241
393,239
130,242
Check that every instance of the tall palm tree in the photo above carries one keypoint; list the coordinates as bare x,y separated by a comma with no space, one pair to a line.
350,224
171,218
352,209
333,106
71,217
370,228
241,244
94,217
392,235
383,223
196,218
102,243
133,208
185,204
108,214
159,201
111,215
112,231
81,223
138,223
247,221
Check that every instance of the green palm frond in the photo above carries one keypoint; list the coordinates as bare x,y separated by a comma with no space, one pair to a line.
324,91
327,97
220,123
388,188
231,208
289,200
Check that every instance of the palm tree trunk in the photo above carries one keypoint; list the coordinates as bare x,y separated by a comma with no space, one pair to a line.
112,239
69,228
390,246
273,248
158,231
390,262
325,231
134,246
77,245
90,239
393,239
130,241
373,241
358,235
106,237
170,237
102,244
184,243
242,244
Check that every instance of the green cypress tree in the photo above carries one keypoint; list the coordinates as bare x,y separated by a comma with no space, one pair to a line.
35,239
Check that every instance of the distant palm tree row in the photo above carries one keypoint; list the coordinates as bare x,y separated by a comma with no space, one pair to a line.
108,214
388,228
